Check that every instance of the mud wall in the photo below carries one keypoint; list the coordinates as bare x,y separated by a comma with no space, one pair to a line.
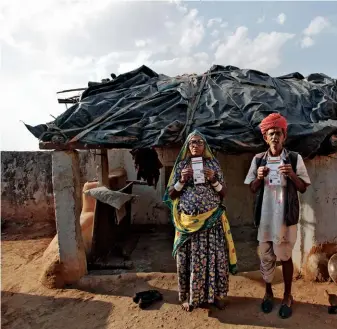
26,186
317,229
27,192
27,195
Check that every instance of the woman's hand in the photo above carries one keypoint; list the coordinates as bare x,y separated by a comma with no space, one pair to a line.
210,175
186,173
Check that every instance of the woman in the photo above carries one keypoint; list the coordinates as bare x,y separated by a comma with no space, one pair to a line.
203,246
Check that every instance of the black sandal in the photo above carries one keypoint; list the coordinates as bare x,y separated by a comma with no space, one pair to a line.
332,309
146,298
267,304
286,311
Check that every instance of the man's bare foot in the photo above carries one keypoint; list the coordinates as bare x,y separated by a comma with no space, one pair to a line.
186,307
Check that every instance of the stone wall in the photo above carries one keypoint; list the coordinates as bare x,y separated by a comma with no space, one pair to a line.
26,186
27,191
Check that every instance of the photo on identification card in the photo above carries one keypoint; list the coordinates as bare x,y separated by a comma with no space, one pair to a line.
274,177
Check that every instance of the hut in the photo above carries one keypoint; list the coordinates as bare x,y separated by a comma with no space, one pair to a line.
142,110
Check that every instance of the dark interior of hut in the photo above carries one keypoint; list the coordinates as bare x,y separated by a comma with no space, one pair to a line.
119,245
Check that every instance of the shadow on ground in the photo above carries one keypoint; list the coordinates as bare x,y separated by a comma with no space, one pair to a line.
241,310
246,311
20,311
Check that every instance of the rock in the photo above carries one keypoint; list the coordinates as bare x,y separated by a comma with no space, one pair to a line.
52,273
316,268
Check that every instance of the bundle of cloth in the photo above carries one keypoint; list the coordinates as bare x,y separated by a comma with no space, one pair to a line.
147,165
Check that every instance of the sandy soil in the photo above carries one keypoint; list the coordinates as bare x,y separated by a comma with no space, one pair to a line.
105,301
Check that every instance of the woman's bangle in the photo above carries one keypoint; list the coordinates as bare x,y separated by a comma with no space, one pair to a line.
218,188
178,186
215,184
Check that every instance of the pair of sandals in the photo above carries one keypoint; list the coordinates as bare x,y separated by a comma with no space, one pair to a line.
285,311
144,299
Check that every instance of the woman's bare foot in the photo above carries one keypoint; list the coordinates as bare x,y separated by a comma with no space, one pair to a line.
186,307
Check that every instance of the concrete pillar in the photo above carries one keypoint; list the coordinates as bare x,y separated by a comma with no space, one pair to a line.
67,195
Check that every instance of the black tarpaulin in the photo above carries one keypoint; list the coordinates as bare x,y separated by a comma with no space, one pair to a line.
226,104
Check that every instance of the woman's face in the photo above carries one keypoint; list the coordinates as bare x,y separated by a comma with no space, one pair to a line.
196,146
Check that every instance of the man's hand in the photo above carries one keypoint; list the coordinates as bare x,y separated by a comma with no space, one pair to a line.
186,173
210,175
287,170
262,172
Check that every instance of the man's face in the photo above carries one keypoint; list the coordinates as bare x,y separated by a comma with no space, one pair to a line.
275,138
196,146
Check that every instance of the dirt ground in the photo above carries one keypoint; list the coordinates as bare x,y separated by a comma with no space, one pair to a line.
105,301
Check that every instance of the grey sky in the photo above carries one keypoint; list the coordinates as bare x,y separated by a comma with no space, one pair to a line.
50,45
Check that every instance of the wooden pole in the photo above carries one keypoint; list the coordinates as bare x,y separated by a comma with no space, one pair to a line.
102,167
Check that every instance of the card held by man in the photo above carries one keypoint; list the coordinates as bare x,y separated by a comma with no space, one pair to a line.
274,177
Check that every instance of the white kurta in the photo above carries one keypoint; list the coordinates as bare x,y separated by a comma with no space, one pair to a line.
272,225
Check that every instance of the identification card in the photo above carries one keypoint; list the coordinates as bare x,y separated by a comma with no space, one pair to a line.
274,176
198,170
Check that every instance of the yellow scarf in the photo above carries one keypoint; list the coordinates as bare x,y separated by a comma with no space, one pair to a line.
193,223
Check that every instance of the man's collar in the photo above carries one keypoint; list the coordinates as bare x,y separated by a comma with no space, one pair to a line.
284,154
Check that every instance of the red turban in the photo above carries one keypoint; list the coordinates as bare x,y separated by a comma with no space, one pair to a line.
274,120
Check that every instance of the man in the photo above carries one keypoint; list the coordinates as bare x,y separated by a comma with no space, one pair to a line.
276,176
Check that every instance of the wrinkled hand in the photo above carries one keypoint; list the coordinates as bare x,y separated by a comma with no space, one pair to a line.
186,173
262,172
210,174
286,169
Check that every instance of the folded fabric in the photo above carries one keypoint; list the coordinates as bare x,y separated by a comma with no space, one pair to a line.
115,199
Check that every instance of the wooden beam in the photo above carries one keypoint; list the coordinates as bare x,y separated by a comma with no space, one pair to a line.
68,100
102,167
71,90
137,182
116,142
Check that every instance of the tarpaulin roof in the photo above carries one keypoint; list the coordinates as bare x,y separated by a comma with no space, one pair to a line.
226,104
